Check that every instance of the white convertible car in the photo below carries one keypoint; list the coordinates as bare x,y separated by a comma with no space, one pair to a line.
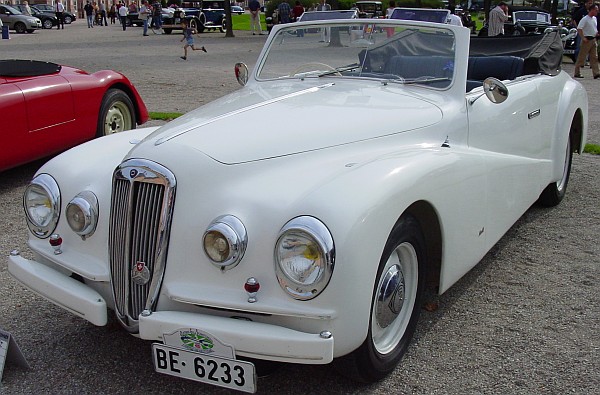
396,154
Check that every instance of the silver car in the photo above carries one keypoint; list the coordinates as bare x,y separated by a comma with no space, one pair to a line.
17,21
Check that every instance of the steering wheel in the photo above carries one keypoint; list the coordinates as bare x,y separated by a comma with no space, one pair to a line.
313,66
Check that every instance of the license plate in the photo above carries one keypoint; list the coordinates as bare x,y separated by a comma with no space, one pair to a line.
205,368
177,20
569,52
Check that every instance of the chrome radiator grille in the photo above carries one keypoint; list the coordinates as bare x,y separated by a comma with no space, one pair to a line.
141,208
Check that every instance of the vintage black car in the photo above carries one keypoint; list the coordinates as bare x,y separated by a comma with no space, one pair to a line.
370,9
524,20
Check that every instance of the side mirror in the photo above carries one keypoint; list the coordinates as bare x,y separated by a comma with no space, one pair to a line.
495,90
241,73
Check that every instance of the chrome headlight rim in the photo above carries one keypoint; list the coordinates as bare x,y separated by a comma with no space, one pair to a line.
234,232
87,203
315,230
49,186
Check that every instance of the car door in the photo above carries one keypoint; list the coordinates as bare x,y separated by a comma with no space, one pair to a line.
4,17
509,135
48,103
13,134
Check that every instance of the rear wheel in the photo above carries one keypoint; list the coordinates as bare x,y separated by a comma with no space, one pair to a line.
117,113
47,24
555,191
223,27
395,307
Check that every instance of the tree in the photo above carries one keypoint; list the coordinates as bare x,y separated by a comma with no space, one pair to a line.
228,21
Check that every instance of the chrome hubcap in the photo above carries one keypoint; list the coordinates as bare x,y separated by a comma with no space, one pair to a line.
395,298
117,119
563,180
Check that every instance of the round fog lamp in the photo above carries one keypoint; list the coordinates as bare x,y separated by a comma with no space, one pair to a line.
82,214
225,241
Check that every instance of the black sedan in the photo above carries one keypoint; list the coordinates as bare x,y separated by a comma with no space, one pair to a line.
69,17
48,18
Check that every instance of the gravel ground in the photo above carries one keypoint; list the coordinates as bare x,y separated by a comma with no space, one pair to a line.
524,321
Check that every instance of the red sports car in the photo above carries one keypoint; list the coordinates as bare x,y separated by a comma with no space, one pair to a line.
47,108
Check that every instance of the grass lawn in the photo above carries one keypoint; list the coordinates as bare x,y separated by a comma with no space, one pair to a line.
242,22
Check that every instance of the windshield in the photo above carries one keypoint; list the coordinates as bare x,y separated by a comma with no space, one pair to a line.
405,54
12,10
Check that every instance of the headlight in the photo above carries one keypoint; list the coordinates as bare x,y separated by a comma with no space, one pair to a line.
41,202
82,214
304,257
225,241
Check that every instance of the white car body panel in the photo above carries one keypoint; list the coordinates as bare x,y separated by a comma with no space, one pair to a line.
355,154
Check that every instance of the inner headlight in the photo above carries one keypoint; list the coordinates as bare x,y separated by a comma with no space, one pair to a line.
225,241
304,257
82,214
41,202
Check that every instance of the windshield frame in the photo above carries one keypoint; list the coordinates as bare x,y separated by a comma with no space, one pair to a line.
276,39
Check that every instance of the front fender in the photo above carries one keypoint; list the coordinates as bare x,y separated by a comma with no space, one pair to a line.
87,167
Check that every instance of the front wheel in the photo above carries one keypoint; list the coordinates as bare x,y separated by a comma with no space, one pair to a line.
20,28
223,27
116,113
555,191
395,307
68,19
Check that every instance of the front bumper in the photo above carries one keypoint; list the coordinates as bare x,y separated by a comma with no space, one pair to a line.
249,339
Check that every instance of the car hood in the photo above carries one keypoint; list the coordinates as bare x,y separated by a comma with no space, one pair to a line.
256,124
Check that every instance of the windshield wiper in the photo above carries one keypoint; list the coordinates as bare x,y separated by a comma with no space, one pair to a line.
338,70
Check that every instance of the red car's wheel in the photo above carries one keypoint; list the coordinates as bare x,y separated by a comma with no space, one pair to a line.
117,113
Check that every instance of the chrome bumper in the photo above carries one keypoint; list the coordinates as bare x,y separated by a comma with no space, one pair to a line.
248,338
59,289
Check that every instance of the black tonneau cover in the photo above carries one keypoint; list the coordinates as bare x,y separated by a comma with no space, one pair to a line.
542,52
27,68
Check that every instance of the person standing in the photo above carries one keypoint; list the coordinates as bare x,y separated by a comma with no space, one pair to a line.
578,15
26,8
325,32
297,12
588,31
156,17
144,13
254,7
497,17
89,14
284,12
112,13
103,13
60,9
123,16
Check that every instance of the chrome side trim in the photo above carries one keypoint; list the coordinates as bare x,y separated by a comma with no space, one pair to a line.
142,204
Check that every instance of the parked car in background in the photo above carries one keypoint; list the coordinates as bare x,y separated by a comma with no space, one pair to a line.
15,20
524,20
48,18
51,108
236,9
69,16
396,155
370,9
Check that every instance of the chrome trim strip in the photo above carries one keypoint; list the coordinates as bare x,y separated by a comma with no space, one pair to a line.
241,110
140,221
261,312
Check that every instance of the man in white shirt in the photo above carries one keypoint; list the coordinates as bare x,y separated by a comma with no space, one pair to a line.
60,9
588,31
497,17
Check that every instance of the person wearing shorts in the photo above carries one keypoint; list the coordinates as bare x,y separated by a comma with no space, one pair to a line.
188,36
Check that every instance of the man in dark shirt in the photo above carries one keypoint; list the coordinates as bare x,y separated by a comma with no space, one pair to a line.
284,11
254,7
